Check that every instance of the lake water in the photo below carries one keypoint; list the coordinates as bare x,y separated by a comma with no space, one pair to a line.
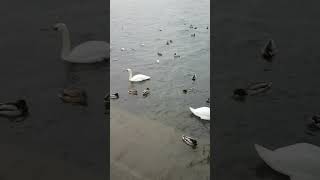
139,22
145,130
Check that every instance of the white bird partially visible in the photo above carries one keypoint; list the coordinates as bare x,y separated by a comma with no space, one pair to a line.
202,112
138,77
299,161
88,52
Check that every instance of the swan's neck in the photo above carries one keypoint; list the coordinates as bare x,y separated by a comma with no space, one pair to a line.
66,43
130,74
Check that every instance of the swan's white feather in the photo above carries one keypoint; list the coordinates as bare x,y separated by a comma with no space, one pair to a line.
202,112
89,52
139,77
299,161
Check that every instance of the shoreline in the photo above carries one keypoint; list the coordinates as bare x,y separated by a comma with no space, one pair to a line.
137,143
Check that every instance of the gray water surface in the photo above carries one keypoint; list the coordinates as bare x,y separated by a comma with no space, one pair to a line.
139,22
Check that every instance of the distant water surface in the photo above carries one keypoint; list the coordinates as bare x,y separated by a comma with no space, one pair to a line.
153,23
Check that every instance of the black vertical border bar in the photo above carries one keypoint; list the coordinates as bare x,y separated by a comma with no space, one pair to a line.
108,91
212,141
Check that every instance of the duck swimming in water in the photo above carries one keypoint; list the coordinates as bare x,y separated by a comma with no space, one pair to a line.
74,96
170,41
133,92
176,56
167,43
314,124
146,92
193,35
208,100
159,54
269,50
252,89
194,77
14,109
189,141
114,96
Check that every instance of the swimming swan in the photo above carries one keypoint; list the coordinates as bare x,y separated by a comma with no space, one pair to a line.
138,77
202,112
88,52
299,161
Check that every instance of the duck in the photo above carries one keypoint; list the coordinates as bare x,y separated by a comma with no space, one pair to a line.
208,100
159,54
176,56
14,109
207,27
158,61
202,112
299,161
74,96
239,94
269,50
167,43
258,87
195,28
114,96
170,41
193,35
189,141
252,89
185,91
191,26
88,52
314,123
133,91
146,92
194,77
138,77
122,49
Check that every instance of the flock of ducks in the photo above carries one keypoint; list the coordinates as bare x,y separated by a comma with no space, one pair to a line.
299,161
202,112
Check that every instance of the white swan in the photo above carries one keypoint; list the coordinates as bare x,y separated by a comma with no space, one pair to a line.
138,77
202,112
299,161
88,52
